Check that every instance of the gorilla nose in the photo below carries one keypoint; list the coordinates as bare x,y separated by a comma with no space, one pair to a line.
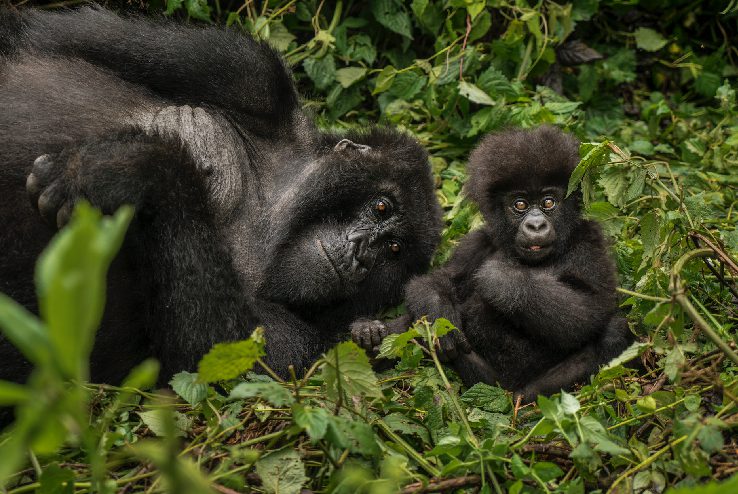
537,224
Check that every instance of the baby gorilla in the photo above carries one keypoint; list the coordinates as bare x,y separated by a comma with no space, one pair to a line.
533,291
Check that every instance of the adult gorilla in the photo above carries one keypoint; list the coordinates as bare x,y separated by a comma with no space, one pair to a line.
246,214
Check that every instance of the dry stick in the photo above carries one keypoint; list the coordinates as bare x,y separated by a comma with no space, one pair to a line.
677,293
442,485
724,258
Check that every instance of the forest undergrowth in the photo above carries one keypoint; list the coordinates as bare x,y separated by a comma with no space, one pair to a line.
649,86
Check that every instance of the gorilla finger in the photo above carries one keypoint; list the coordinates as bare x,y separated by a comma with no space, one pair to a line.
65,212
462,343
50,201
44,170
33,188
449,346
377,332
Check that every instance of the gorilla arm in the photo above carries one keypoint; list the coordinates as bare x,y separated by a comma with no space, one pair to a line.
187,65
563,305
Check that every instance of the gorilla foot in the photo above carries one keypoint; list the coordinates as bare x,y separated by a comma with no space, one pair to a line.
48,190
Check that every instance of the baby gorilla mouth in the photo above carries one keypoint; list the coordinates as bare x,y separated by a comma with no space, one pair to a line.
534,247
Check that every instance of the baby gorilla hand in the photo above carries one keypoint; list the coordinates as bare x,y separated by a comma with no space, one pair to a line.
51,189
368,334
452,345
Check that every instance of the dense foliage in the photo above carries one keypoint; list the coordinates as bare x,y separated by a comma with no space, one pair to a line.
649,87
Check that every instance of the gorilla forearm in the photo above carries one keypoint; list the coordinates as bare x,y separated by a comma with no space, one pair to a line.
547,308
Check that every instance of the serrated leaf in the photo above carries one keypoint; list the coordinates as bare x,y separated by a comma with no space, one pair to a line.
349,75
569,404
314,420
358,437
407,84
648,39
393,344
270,391
230,360
281,472
199,9
322,71
188,387
473,93
392,15
486,397
347,369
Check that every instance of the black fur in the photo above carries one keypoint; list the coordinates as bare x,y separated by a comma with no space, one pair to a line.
246,214
533,291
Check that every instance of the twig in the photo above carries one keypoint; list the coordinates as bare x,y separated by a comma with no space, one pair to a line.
442,485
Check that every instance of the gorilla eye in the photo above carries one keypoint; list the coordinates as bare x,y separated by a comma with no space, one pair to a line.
548,203
394,247
520,205
382,207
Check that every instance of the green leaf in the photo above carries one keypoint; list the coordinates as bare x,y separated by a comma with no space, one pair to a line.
281,472
385,79
199,9
474,94
730,486
172,6
358,437
12,394
569,404
279,37
71,282
230,360
547,471
486,397
56,480
25,332
441,327
270,391
314,420
407,84
393,345
321,70
349,75
392,15
347,369
188,387
648,39
156,421
594,155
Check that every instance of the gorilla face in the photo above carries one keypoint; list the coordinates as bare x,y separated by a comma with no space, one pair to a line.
367,220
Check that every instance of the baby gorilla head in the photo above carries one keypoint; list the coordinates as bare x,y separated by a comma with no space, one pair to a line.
519,179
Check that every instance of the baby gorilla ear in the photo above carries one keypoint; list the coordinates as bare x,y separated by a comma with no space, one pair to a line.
344,144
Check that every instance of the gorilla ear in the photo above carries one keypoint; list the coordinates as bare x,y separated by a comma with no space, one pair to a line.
344,144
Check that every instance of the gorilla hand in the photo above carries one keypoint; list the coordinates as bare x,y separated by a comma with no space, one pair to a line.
368,334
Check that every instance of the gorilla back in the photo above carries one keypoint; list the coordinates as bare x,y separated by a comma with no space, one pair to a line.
246,214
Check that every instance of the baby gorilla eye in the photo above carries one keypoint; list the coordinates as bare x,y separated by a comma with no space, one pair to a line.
520,205
548,203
